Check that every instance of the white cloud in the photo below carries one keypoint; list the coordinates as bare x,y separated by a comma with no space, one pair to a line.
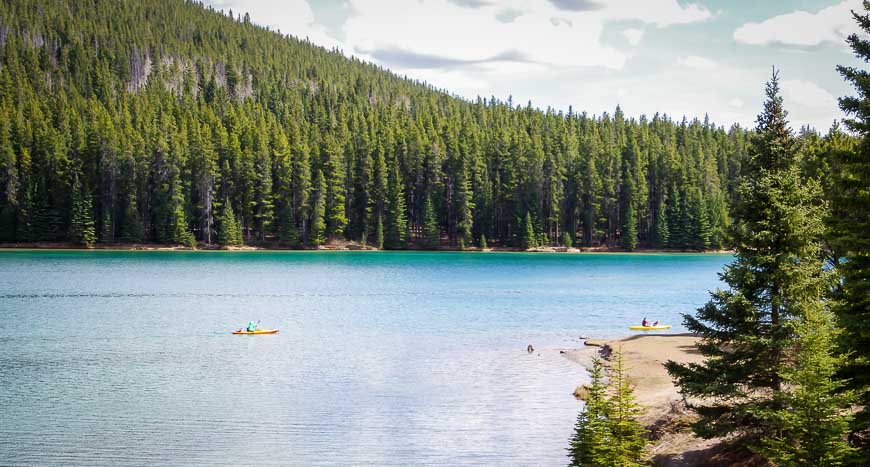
812,104
800,28
290,16
511,47
633,35
437,28
808,93
661,13
696,62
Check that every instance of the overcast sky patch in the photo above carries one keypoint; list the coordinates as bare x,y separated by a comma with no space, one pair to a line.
577,5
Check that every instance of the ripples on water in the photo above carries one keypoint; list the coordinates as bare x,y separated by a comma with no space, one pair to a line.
383,358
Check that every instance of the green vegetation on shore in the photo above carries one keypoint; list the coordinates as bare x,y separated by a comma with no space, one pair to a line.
786,347
758,384
182,124
608,430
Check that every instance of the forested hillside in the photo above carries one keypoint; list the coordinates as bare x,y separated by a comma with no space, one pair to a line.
166,121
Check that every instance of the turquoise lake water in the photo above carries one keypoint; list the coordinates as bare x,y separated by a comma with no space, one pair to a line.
387,358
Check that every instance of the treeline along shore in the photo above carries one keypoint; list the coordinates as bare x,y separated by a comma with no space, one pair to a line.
168,122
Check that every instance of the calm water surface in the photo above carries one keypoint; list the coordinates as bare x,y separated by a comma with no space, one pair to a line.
116,358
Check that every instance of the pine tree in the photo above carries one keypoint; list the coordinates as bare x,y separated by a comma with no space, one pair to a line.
107,233
131,228
701,230
336,216
812,418
626,432
848,229
629,230
301,179
263,203
81,230
608,431
178,221
464,204
662,235
567,241
483,245
378,193
431,229
591,441
318,211
229,233
397,223
528,238
676,220
747,330
379,232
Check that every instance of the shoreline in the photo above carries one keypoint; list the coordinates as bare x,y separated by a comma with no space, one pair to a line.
63,246
665,415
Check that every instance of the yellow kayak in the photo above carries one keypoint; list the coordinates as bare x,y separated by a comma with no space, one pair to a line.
258,331
660,327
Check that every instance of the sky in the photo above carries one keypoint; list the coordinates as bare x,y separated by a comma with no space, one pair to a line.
680,58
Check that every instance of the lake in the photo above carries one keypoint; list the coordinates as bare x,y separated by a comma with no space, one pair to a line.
388,358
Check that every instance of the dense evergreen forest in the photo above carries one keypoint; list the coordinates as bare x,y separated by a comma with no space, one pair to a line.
167,121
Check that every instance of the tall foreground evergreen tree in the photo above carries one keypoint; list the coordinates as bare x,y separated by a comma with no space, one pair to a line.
748,330
849,227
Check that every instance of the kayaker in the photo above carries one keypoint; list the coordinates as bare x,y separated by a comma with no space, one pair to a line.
655,323
645,323
252,326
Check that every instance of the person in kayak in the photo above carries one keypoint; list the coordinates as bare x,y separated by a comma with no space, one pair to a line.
644,322
252,326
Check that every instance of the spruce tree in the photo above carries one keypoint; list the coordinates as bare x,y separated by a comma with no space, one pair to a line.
318,211
676,220
228,233
107,233
528,239
662,235
849,225
626,432
336,217
379,232
629,228
131,228
81,230
608,431
431,229
812,418
747,331
177,221
483,245
701,230
567,241
397,224
591,441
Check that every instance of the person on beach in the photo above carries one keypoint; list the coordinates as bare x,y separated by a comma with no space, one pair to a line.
252,326
644,322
